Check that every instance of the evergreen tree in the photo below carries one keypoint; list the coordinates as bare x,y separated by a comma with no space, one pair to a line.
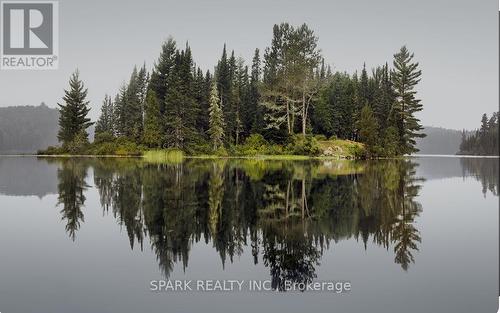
368,130
239,91
73,120
216,128
105,122
404,78
162,71
152,136
180,106
364,93
256,124
202,99
290,77
121,114
383,96
483,141
225,73
133,105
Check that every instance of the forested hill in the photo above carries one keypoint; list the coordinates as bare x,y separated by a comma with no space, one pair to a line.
482,141
439,141
26,129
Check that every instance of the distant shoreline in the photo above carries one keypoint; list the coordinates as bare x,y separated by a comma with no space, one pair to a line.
456,156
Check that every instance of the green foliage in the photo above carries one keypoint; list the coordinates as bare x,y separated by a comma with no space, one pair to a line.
105,123
291,77
103,145
483,141
180,105
368,131
335,112
404,79
255,144
73,120
129,106
216,120
78,145
292,91
152,136
103,137
52,150
168,156
256,141
301,145
390,142
320,137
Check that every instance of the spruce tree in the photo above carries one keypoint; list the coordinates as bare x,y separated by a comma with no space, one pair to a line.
181,109
383,99
256,124
162,71
202,101
216,121
404,78
121,114
73,120
152,136
133,113
368,130
364,92
105,122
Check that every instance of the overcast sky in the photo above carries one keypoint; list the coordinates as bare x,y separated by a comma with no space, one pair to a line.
455,41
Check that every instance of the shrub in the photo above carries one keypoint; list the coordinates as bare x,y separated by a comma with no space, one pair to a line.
222,152
103,137
320,137
256,141
301,145
52,150
78,145
105,148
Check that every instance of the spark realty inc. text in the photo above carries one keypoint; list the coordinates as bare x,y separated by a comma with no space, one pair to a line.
234,285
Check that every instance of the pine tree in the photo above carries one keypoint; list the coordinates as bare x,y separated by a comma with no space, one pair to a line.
162,71
368,130
364,93
404,78
180,105
256,124
383,99
152,136
290,77
105,122
202,99
224,75
483,141
121,114
73,120
134,101
216,121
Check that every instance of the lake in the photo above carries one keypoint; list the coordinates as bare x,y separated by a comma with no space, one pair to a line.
94,235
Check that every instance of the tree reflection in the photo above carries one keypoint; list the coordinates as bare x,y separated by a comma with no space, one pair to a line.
288,213
483,169
71,186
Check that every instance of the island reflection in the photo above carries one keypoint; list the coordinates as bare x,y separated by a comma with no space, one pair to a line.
289,213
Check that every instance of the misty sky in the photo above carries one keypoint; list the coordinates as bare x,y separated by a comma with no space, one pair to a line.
455,41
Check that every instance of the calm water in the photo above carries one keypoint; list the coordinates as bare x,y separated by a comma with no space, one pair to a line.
88,235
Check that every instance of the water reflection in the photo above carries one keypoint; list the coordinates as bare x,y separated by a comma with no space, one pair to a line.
287,212
484,170
71,186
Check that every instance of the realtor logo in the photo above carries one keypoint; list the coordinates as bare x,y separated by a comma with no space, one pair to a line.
29,35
